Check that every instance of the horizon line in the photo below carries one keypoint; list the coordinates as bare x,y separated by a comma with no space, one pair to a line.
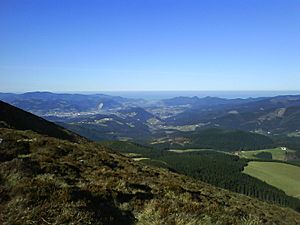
102,91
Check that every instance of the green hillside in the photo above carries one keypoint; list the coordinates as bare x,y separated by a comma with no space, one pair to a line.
276,154
219,168
225,171
283,176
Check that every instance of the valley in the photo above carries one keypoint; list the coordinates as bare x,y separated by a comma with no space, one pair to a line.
165,121
222,142
48,180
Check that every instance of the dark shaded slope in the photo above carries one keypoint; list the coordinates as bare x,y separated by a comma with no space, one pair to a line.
12,117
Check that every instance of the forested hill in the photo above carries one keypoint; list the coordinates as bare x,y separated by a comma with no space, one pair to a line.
228,140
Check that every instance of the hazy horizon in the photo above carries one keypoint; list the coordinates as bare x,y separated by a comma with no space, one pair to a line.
156,95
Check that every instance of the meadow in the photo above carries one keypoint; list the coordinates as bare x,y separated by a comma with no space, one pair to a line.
281,175
277,153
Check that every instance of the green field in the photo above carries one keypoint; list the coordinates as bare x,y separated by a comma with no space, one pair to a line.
195,150
188,150
283,176
277,153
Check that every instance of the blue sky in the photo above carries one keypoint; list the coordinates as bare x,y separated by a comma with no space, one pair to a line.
118,45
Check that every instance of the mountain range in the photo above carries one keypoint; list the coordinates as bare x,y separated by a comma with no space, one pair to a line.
102,117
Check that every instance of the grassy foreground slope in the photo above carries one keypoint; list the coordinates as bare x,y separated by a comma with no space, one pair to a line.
44,180
127,147
283,176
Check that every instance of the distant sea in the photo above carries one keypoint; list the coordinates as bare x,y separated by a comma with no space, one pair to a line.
155,95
